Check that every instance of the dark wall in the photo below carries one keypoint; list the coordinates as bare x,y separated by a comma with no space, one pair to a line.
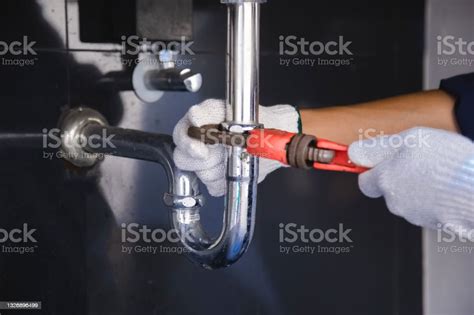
77,266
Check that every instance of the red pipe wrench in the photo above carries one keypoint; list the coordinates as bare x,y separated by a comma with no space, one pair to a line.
294,149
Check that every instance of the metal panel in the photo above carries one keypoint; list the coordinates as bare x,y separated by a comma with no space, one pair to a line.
448,278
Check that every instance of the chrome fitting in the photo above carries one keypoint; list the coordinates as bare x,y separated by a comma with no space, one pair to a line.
239,128
183,202
73,140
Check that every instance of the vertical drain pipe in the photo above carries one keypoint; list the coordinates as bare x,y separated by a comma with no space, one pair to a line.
242,168
243,41
243,23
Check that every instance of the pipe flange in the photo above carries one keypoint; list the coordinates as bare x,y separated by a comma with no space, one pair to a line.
142,91
183,202
72,139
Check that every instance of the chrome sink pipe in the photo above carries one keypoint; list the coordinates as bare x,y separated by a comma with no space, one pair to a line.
243,19
242,169
183,196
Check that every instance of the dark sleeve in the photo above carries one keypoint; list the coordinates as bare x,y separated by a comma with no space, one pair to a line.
462,88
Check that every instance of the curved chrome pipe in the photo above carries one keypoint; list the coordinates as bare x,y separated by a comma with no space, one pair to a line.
183,193
242,169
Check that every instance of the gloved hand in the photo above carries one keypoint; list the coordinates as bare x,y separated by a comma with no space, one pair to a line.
426,176
208,161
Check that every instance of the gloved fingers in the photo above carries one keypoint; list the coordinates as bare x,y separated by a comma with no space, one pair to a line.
212,175
209,161
413,215
187,162
183,160
193,147
369,183
283,117
266,167
370,152
216,188
211,111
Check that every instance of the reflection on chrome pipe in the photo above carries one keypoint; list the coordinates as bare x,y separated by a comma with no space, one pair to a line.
243,61
183,195
242,169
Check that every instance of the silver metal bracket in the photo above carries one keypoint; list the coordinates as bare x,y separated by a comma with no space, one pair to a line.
180,202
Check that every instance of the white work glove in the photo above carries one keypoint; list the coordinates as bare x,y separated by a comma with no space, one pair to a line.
426,176
209,161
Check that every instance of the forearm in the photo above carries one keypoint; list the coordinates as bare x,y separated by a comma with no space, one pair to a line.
345,124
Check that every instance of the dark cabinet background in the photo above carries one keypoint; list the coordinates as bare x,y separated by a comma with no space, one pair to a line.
78,266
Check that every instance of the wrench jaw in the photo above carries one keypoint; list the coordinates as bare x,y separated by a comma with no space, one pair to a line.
340,161
307,152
